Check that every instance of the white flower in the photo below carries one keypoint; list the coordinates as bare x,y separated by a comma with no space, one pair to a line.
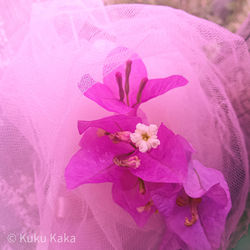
145,137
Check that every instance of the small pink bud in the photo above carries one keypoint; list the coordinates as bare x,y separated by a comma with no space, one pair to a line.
123,136
132,162
101,132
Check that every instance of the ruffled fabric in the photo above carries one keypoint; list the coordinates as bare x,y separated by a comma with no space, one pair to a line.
54,48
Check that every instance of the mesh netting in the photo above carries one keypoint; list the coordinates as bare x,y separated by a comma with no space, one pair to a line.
62,46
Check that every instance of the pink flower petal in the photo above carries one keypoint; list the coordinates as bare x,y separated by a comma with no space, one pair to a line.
167,163
102,95
111,124
194,236
171,241
126,194
138,72
200,179
209,184
156,87
126,85
165,196
94,162
213,211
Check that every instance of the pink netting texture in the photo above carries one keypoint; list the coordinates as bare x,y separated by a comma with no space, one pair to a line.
54,55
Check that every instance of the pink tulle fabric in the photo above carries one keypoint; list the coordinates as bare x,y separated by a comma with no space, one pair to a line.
49,50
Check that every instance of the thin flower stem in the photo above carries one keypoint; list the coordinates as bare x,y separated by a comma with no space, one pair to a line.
128,154
118,77
142,188
128,71
141,88
117,124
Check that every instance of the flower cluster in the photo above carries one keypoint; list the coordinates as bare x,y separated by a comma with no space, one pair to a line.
151,168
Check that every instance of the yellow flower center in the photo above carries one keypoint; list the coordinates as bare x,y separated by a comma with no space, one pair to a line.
145,136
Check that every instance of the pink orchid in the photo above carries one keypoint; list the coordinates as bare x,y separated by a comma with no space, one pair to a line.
196,212
127,86
108,154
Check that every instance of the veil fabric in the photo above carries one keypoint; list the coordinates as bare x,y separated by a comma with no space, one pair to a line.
48,48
